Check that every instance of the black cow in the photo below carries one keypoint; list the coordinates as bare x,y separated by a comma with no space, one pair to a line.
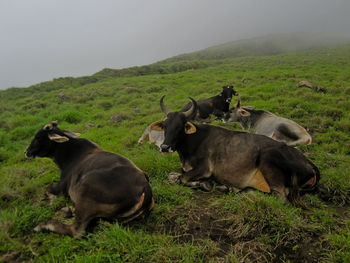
100,183
237,160
217,105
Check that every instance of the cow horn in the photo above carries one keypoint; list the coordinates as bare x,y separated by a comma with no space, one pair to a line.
238,105
71,134
58,138
189,114
162,106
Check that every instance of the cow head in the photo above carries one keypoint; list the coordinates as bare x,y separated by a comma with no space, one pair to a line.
227,93
46,139
238,112
175,126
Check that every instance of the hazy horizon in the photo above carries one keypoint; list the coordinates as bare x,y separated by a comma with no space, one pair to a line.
43,40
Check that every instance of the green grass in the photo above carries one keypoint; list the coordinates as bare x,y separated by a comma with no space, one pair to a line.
186,225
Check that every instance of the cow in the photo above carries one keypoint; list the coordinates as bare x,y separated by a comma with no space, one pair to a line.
155,137
268,124
217,105
237,160
99,183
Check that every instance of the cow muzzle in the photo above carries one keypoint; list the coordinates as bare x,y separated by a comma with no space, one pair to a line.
165,148
28,155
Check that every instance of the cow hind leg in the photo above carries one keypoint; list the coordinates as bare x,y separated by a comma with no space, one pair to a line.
84,213
55,188
76,229
144,136
193,177
175,178
275,179
301,140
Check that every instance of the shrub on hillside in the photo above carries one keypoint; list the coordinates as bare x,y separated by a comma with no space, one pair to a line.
70,117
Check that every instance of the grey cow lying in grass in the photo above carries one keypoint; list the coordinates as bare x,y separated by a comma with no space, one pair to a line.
269,124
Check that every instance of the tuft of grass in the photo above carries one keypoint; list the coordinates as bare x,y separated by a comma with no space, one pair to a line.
339,247
72,116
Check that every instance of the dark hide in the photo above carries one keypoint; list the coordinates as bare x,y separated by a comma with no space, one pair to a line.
100,183
217,105
238,160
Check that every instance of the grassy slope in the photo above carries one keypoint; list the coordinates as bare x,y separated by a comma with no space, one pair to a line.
186,225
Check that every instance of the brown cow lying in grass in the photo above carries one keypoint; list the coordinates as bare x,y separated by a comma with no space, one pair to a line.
100,183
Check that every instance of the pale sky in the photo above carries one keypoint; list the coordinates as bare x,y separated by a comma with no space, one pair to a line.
45,39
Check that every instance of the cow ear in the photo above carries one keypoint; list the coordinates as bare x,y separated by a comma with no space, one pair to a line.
244,113
190,128
58,138
71,134
157,126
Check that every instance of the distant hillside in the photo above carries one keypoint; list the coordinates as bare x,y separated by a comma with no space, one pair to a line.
263,46
220,54
259,46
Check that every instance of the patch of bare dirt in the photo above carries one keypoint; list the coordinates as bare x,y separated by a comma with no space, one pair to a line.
10,257
203,221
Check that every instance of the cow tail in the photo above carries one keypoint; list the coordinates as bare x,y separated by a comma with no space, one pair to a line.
146,207
294,194
149,200
316,172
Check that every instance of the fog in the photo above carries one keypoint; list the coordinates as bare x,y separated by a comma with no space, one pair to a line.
41,39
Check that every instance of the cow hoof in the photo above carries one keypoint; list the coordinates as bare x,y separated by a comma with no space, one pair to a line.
206,186
48,226
68,211
222,188
38,228
174,177
49,197
41,227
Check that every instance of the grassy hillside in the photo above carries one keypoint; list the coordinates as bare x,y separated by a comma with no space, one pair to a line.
186,225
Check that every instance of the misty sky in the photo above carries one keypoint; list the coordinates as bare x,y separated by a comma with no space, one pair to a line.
44,39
